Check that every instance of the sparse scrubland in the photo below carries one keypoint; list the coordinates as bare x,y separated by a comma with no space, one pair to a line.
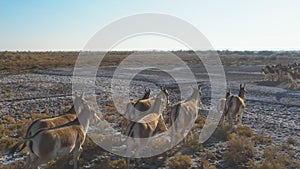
242,149
267,140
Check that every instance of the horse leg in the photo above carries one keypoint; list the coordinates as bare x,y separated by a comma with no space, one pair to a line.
230,119
76,153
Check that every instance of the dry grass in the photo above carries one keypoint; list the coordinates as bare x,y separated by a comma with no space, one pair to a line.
180,162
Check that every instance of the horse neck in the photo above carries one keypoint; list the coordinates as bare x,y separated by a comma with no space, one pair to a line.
159,103
146,96
84,118
242,95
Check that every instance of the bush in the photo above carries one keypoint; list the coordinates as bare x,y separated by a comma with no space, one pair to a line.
180,162
244,131
240,149
292,141
205,164
262,139
199,123
275,158
6,142
15,165
206,157
118,164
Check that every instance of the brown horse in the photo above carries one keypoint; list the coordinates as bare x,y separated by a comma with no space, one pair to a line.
235,106
184,113
147,126
50,122
47,144
131,106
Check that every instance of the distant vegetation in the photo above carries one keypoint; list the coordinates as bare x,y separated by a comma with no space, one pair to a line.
22,62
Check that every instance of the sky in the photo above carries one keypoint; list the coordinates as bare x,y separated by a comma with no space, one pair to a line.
46,25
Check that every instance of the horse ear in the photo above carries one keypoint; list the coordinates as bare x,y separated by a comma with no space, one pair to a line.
200,91
147,90
228,93
241,86
199,87
81,96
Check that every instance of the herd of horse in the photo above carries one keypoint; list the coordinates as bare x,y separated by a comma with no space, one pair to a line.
282,73
48,138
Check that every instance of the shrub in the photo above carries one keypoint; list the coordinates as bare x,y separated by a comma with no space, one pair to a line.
240,149
5,143
271,161
244,131
292,141
205,164
199,123
118,164
262,139
274,158
180,162
206,157
15,165
8,119
190,144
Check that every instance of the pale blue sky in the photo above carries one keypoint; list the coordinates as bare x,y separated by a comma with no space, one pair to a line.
228,24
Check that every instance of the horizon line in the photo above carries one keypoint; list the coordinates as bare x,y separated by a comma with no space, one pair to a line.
154,50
